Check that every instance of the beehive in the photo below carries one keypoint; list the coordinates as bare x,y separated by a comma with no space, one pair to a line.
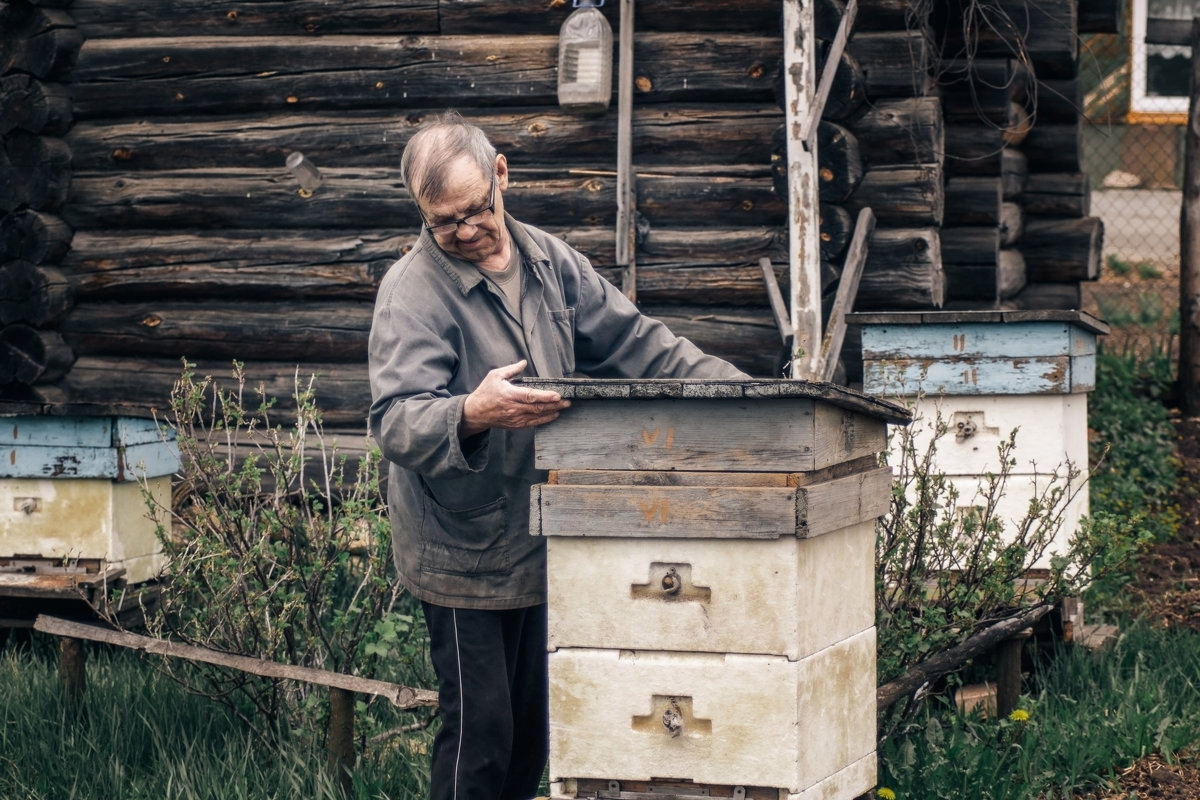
986,375
75,489
711,587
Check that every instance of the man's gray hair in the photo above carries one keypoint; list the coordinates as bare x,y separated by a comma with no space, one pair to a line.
432,149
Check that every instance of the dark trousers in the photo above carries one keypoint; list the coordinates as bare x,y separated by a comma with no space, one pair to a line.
493,702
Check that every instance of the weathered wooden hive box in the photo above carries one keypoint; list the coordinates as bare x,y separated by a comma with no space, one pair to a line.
986,374
72,491
711,587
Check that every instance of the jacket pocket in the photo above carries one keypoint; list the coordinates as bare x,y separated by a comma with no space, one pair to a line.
562,324
466,542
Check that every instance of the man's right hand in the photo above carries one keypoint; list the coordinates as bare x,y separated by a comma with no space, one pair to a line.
498,403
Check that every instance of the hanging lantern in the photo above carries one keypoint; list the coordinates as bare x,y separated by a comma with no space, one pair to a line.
585,59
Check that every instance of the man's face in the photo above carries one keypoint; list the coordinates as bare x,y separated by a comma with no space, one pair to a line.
468,194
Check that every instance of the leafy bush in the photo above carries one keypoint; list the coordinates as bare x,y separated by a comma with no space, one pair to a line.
279,548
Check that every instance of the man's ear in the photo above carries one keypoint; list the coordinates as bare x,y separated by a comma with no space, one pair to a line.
501,172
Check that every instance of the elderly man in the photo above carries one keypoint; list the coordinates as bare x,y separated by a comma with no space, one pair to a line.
480,300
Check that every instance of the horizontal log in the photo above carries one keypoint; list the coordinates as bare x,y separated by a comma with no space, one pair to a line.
837,227
1055,147
342,390
325,331
662,136
893,63
34,294
134,77
982,89
1052,296
839,163
1102,16
1057,101
28,104
847,93
1043,34
1063,250
902,197
970,245
985,283
35,171
973,201
891,15
974,149
717,285
1012,223
34,236
1057,194
900,131
228,199
42,42
746,338
29,355
903,271
486,17
165,19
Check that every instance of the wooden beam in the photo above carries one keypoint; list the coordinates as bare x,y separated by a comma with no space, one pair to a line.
626,194
843,303
1189,246
403,697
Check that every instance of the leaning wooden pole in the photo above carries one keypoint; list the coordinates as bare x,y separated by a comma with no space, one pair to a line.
1189,246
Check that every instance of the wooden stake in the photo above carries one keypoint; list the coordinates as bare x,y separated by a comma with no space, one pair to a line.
1189,247
339,739
72,668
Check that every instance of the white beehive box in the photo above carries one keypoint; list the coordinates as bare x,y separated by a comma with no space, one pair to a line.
710,554
986,374
70,491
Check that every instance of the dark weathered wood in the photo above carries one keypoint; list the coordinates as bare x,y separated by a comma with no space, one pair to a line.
483,16
902,196
1102,16
342,391
664,136
974,149
1055,147
839,162
970,245
747,338
973,201
314,331
843,24
894,63
837,226
42,42
847,291
981,89
72,670
31,293
892,15
34,236
403,697
848,91
716,285
114,19
1012,223
35,171
1053,296
29,355
288,74
29,104
1057,101
903,271
1057,194
250,199
900,131
1002,278
1045,34
1058,250
1014,171
339,737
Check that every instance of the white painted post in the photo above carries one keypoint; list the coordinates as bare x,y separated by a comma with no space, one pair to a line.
804,254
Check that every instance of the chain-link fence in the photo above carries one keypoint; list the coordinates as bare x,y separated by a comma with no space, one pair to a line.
1135,164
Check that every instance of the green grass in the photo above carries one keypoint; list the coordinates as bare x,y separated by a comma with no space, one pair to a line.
1090,715
138,734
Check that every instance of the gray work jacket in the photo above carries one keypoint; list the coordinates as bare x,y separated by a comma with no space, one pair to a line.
460,510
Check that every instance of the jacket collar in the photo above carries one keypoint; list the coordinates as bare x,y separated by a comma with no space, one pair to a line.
466,276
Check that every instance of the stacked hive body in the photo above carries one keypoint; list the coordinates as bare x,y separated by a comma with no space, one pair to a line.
986,374
711,587
75,500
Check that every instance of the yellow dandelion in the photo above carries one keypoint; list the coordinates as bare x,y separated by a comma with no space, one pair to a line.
885,793
1019,715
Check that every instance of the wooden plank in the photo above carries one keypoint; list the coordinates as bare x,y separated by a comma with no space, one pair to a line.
775,297
832,59
403,697
976,340
621,477
100,432
847,291
626,228
978,375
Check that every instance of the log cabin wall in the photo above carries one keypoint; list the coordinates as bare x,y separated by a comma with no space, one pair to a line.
188,236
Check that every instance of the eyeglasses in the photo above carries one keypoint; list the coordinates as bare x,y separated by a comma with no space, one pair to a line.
478,218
